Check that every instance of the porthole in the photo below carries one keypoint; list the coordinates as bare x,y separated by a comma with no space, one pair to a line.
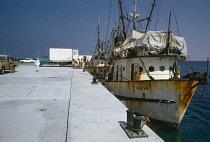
140,69
162,68
151,68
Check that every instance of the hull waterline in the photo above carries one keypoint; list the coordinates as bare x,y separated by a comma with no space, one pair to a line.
172,97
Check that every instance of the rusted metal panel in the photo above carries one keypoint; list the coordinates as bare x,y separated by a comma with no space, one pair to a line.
143,96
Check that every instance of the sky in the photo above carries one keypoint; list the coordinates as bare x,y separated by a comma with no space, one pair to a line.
29,27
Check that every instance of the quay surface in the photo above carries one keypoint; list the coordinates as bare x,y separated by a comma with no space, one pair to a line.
59,104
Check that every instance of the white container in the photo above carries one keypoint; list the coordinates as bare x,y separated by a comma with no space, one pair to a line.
60,55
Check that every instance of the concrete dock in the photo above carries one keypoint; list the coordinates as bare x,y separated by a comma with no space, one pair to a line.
59,104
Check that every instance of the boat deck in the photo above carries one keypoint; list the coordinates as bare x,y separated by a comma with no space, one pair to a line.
59,104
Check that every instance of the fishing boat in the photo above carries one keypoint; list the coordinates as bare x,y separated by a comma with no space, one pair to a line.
97,65
144,70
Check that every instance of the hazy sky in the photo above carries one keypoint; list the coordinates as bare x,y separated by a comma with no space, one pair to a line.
31,26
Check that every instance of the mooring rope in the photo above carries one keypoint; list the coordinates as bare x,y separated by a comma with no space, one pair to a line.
147,117
67,123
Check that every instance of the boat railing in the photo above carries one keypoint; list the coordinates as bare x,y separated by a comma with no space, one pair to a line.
121,77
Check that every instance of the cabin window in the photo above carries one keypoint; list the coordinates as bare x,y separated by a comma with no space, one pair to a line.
101,62
162,68
140,69
123,68
151,68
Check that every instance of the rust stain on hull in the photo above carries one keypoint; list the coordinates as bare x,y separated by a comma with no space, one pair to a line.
142,97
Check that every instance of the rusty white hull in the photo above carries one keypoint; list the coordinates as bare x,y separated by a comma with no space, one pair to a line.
96,66
143,96
93,70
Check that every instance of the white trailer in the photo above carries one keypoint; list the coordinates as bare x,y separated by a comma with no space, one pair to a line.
60,56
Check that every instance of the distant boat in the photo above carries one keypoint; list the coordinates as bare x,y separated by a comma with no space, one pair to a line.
144,71
98,61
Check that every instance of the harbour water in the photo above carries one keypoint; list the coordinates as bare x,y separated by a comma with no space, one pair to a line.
195,126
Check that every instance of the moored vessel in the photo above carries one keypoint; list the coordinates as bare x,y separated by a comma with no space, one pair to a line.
97,64
144,70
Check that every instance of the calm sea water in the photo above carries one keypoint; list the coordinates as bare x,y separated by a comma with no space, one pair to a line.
195,126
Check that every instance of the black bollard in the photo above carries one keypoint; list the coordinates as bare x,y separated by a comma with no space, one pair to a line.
83,69
137,124
133,126
94,81
130,115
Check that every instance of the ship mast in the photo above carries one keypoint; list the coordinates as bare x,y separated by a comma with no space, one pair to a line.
168,35
150,15
99,47
134,26
122,18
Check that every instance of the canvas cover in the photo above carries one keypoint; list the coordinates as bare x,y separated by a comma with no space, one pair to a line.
154,42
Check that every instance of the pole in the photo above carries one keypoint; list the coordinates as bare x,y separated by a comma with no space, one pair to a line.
134,23
122,18
98,34
169,33
150,15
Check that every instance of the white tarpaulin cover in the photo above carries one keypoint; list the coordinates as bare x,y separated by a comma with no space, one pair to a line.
154,42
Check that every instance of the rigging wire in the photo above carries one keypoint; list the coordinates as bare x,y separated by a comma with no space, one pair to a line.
191,67
174,16
131,9
140,26
158,13
125,9
150,15
93,45
146,15
108,20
